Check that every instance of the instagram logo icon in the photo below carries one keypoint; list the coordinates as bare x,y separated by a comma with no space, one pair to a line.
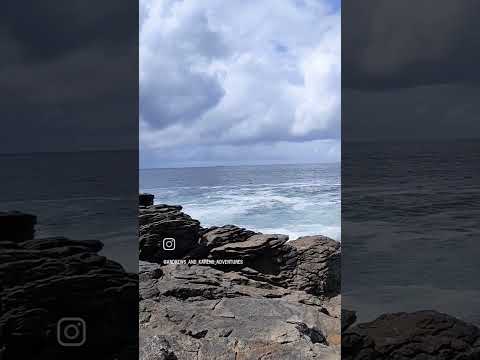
169,244
71,331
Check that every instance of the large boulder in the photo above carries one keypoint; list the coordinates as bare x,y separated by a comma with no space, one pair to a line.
160,222
318,265
425,335
309,263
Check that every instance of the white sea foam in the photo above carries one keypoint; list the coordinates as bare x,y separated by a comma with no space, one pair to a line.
309,206
268,210
294,233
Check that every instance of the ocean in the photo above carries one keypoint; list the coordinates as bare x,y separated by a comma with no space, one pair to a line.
410,212
79,195
294,200
410,227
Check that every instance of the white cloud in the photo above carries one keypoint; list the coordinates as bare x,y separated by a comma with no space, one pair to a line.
238,73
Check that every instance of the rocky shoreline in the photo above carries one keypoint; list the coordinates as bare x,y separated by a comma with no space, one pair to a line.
46,279
231,294
282,302
234,293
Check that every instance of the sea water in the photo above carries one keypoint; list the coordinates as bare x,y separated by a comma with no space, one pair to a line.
295,200
79,195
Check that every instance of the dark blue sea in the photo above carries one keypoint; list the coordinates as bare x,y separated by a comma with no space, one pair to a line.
83,195
411,227
295,200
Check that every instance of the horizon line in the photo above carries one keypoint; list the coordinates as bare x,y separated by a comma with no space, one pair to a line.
63,151
238,165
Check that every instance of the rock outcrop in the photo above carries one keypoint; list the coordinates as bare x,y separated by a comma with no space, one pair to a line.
163,221
45,280
425,335
145,199
17,226
235,294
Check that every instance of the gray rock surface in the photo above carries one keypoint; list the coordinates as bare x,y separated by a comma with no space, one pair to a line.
279,301
318,269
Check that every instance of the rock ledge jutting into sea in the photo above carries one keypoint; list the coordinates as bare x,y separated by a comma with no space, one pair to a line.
255,296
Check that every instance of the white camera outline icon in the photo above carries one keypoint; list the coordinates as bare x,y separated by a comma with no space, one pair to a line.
65,326
168,244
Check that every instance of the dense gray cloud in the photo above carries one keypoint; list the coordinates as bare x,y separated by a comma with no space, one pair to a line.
409,43
409,70
69,76
434,112
247,75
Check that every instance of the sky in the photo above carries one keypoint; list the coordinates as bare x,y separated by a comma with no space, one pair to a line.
69,76
251,82
239,82
410,70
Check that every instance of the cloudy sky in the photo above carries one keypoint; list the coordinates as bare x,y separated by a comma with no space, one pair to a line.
68,76
410,70
239,82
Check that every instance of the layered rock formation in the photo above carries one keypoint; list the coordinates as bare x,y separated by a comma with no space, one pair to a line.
235,294
44,280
